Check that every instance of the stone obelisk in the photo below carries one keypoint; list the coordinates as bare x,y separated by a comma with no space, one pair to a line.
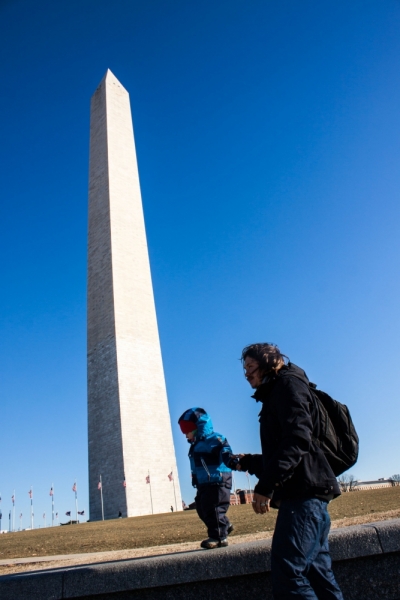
130,435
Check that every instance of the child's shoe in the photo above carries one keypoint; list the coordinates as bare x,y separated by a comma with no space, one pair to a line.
210,543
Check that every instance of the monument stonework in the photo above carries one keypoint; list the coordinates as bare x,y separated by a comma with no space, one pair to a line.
129,427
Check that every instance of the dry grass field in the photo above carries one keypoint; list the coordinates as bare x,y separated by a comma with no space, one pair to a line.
175,528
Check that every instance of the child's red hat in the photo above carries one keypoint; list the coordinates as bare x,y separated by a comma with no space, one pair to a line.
187,426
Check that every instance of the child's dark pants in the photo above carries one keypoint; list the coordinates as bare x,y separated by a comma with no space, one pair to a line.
212,503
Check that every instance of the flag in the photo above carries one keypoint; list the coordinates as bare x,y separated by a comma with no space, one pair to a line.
51,493
68,513
30,494
74,488
56,515
13,498
170,476
124,483
99,485
44,515
147,478
20,516
81,512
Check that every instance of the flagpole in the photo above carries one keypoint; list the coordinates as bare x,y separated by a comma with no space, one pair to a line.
248,479
31,495
76,501
52,505
101,496
13,513
151,497
173,482
234,488
20,522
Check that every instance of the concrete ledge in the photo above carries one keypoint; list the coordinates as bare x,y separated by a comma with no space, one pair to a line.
175,569
38,586
388,534
232,570
355,541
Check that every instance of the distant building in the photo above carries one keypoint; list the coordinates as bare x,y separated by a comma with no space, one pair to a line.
373,485
241,497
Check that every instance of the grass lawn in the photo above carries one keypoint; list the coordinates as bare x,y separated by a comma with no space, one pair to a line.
170,528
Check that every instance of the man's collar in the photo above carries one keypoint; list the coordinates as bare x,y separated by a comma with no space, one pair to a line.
262,391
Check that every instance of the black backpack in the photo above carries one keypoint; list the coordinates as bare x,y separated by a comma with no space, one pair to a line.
337,435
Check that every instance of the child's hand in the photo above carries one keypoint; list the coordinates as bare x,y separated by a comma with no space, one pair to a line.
234,462
239,466
243,465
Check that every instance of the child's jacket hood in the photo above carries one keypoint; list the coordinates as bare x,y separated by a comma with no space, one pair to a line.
201,419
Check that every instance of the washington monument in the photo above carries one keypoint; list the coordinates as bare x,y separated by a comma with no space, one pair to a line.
130,436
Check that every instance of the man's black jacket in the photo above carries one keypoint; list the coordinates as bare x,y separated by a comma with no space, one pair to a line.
291,465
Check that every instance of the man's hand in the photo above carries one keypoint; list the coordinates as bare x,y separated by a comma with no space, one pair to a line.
260,504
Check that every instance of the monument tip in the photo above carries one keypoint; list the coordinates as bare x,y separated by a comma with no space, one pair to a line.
109,77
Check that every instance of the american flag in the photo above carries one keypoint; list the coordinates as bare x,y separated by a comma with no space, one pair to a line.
13,498
20,516
74,488
51,493
68,513
81,512
147,478
170,476
30,494
124,482
99,485
44,515
56,515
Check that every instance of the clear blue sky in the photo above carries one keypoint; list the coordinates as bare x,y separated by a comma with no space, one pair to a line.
268,142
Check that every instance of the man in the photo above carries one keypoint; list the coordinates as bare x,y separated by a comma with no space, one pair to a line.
294,476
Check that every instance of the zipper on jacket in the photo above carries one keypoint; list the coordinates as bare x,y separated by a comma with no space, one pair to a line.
205,467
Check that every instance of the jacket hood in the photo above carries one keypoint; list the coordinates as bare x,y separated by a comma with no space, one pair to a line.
289,370
293,370
200,418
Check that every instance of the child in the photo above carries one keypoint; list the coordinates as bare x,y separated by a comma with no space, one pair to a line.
209,457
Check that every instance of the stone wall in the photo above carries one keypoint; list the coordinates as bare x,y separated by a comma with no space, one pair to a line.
366,564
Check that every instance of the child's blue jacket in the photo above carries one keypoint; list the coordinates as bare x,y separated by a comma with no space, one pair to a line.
209,452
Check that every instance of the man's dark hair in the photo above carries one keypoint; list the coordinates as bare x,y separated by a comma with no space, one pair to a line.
268,356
